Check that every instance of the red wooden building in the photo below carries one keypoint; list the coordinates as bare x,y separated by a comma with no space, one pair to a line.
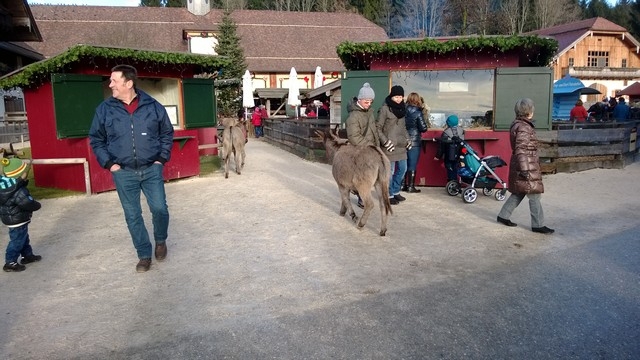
477,78
61,95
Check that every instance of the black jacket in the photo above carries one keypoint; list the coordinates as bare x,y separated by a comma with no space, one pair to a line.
414,121
16,204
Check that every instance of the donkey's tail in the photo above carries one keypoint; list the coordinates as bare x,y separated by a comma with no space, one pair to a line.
384,174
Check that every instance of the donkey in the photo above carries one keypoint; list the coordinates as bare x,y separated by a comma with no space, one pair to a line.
359,168
232,142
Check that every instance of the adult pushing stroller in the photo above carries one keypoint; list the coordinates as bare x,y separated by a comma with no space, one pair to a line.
476,172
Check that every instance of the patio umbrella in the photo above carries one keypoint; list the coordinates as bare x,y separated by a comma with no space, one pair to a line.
317,78
294,90
247,93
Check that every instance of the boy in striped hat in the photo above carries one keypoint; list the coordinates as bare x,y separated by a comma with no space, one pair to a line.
16,208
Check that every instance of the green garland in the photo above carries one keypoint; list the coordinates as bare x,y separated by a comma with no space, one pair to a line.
37,73
358,56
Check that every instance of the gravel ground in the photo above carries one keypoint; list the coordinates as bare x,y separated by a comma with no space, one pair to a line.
261,265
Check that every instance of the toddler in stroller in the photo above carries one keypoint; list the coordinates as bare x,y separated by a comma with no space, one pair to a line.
475,172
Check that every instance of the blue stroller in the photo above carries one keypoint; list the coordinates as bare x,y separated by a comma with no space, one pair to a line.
476,172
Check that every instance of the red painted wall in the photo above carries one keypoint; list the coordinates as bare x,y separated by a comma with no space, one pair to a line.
460,60
185,161
431,172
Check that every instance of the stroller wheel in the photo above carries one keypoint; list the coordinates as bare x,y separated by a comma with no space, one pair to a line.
469,195
453,188
501,195
487,191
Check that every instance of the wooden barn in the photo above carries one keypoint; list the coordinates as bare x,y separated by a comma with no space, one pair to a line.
62,92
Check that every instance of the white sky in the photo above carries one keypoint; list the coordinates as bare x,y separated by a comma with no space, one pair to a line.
87,2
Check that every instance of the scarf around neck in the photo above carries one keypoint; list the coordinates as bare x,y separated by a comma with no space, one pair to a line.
398,110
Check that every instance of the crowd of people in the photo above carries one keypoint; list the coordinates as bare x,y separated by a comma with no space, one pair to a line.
607,110
396,127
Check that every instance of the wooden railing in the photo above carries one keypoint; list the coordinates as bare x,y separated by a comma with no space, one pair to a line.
297,136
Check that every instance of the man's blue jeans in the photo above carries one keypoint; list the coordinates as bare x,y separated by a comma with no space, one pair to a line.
18,243
398,169
129,183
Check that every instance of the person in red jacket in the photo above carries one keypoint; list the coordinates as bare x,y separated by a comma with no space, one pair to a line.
578,114
256,120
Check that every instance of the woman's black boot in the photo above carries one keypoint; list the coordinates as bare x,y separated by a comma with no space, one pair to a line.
412,182
405,182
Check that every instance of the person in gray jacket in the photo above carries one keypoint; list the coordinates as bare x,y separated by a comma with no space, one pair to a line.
132,136
394,139
361,124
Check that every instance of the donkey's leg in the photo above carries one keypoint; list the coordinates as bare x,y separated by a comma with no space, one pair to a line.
367,200
226,165
345,204
383,213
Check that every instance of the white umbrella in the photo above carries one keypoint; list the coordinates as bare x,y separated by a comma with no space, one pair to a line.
294,90
247,93
317,78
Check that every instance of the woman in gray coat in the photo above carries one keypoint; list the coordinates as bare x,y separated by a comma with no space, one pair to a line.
394,139
525,176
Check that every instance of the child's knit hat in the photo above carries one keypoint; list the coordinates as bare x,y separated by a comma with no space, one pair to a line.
452,121
13,167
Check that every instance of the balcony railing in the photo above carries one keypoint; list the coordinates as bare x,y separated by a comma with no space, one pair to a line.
602,72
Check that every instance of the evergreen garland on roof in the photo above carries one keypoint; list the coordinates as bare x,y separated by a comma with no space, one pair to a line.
37,73
358,56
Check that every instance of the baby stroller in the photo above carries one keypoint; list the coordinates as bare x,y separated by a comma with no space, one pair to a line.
476,172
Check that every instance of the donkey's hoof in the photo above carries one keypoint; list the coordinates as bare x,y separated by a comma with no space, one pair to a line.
383,232
360,226
354,217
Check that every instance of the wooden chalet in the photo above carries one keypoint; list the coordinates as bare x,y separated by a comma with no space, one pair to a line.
600,53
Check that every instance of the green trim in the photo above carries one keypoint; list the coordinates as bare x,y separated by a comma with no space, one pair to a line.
537,51
37,73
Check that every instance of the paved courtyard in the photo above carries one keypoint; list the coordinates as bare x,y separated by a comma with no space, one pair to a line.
261,266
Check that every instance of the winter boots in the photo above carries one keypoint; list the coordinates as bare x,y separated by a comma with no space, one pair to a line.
409,183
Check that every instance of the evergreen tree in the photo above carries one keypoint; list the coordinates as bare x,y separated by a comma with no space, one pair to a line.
151,3
229,97
634,29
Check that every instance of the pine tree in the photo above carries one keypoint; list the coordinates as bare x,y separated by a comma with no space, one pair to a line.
163,3
229,97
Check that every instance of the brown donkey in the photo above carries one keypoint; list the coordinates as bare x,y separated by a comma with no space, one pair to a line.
359,168
232,142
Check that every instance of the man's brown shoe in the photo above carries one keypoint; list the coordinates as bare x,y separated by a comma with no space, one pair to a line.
161,251
143,265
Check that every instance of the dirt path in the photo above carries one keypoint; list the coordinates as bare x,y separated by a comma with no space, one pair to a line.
261,266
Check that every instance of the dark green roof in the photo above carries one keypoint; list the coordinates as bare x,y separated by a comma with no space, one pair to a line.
37,73
533,50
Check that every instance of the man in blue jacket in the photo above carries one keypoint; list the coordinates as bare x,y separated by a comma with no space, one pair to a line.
131,136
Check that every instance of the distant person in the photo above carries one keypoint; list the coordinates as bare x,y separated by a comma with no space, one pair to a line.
597,112
323,111
361,123
621,111
449,148
132,136
394,139
525,176
578,113
16,208
256,120
310,111
416,125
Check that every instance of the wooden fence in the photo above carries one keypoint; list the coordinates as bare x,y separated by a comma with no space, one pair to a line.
297,136
569,148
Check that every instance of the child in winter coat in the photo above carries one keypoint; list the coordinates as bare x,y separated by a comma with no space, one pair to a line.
450,146
16,208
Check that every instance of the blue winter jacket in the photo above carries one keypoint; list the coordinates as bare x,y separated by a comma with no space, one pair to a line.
133,141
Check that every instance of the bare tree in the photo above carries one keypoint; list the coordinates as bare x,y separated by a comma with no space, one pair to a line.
548,13
514,14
